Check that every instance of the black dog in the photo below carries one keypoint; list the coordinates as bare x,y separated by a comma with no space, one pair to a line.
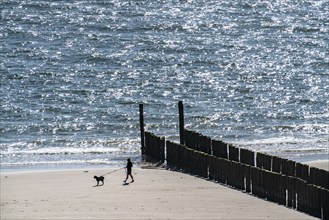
99,178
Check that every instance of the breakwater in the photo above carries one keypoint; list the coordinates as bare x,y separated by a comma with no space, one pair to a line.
275,179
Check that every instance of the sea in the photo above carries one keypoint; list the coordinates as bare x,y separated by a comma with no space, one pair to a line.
254,73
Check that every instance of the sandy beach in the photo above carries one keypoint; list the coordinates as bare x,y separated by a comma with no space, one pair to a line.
155,194
321,164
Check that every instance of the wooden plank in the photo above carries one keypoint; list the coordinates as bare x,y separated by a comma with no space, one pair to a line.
274,196
325,178
241,178
205,144
142,130
247,157
187,138
315,201
319,177
225,171
302,171
257,182
187,159
267,162
205,165
221,170
276,164
196,140
264,161
146,143
302,195
211,175
162,150
153,144
219,149
291,191
169,153
282,186
233,153
324,203
216,168
181,122
247,179
259,160
288,167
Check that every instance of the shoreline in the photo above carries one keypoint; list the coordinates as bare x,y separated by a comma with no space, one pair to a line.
321,164
155,194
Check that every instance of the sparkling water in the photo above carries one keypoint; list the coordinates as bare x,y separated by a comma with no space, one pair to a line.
73,72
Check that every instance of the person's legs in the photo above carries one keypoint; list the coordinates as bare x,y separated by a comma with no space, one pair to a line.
129,174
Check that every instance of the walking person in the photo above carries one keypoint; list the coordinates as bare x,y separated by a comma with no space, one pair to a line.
129,169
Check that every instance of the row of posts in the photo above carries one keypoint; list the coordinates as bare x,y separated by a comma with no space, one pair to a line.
267,162
276,179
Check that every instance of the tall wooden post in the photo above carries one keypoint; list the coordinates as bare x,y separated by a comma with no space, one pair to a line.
141,124
181,122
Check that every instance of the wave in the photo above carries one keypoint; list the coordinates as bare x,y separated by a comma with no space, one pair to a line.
288,147
63,162
61,150
305,150
282,140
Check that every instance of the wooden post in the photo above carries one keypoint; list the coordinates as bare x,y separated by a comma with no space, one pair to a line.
141,124
181,122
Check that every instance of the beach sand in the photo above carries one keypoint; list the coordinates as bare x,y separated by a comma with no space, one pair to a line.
155,194
321,164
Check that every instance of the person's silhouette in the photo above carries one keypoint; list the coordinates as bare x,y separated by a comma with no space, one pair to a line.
129,170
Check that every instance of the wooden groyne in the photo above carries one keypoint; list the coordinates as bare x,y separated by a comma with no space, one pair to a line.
275,179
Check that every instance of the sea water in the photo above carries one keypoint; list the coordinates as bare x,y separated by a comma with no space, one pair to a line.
73,73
